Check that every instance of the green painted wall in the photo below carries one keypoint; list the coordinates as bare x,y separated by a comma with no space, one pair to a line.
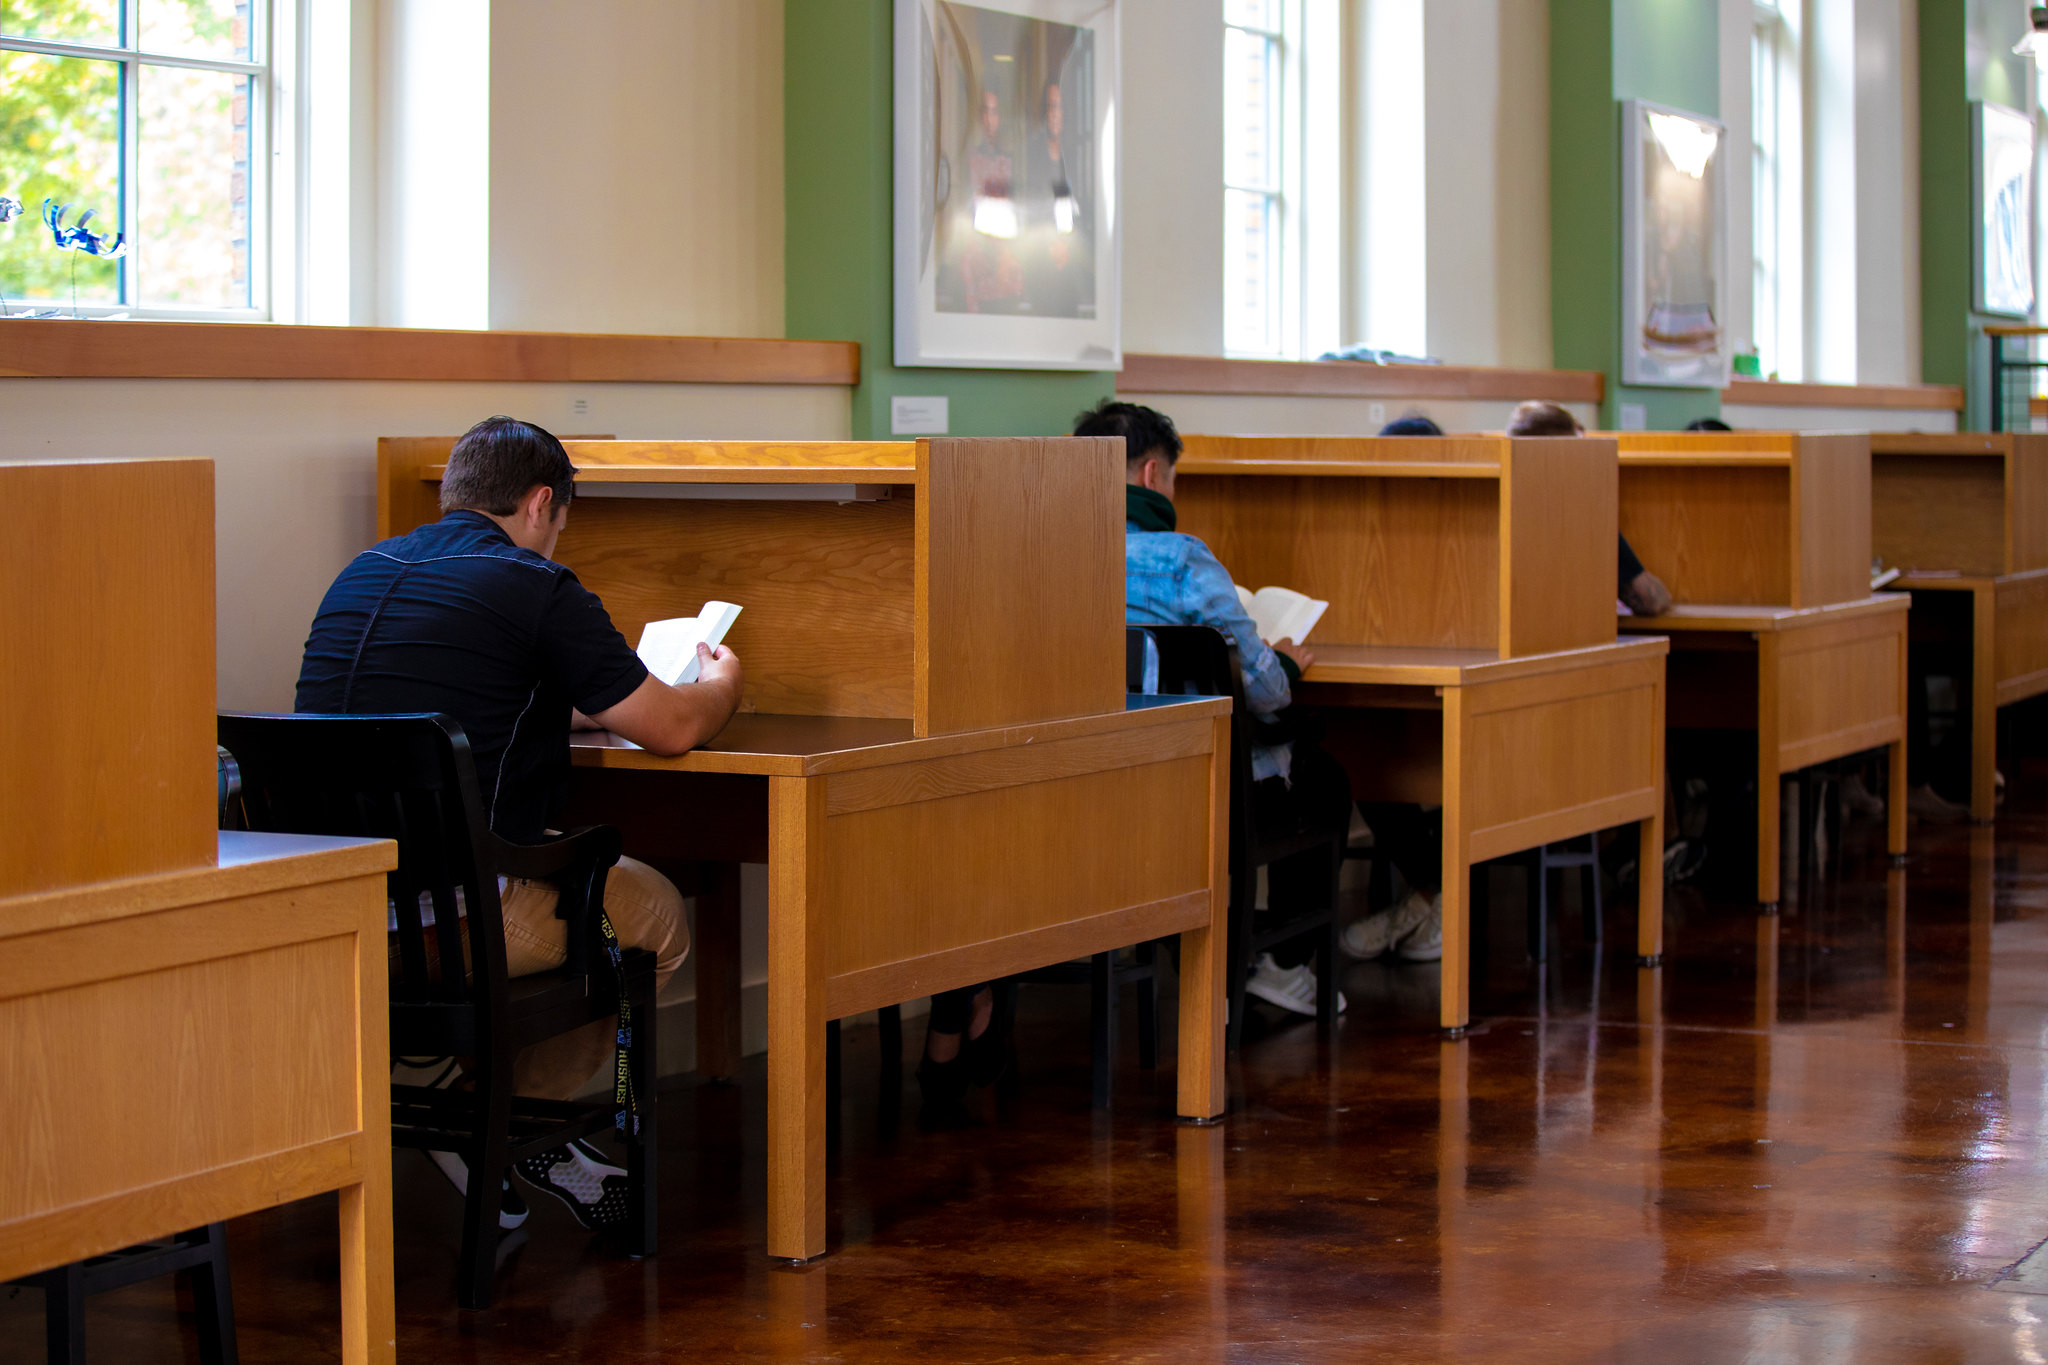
1603,51
1945,329
838,188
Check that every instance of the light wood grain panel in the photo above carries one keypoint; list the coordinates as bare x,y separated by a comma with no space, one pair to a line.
406,501
1558,755
1652,444
64,349
2021,637
1831,519
1939,512
826,588
1556,574
2026,491
1838,692
44,1240
1020,581
595,459
133,1081
1401,561
1940,443
1349,379
1009,860
989,959
1479,455
938,778
1714,535
109,643
1201,1090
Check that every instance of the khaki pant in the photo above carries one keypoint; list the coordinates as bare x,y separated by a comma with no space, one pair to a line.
646,912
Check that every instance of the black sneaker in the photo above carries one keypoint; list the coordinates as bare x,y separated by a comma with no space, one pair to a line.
597,1192
512,1208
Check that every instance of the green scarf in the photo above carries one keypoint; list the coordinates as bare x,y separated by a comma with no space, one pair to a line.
1146,510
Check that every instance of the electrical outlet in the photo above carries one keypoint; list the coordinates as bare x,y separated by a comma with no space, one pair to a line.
580,407
1376,413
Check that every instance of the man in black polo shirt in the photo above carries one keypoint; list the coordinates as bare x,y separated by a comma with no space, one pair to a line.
470,616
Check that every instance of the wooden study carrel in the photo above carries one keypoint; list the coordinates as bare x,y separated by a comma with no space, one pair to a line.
936,756
1468,656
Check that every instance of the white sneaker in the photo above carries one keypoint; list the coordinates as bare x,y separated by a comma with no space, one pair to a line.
1291,988
512,1209
1375,934
1425,942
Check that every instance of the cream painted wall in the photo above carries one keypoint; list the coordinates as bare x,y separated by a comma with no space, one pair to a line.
1172,148
295,468
1487,129
636,166
1887,192
1762,418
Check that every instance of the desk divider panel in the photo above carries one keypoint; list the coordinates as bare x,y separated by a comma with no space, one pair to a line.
107,677
1977,504
1468,542
959,584
1749,518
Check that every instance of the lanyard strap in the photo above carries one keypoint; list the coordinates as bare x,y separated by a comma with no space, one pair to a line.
626,1118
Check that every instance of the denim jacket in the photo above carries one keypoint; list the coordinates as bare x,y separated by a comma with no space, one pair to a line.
1171,579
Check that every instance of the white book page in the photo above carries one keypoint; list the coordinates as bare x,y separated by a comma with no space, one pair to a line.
1282,613
669,648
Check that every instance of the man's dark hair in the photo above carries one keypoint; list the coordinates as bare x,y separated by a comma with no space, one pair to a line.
1536,418
1413,425
1144,429
497,463
1707,424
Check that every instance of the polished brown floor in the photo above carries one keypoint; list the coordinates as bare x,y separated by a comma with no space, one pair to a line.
1811,1138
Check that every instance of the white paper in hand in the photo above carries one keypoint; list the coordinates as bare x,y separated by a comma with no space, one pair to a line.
669,648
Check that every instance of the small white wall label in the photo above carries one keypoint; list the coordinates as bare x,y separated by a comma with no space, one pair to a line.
917,416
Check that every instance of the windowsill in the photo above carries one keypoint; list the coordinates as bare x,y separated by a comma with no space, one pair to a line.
1352,379
1771,393
121,349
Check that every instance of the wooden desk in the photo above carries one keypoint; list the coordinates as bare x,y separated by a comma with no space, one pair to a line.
1468,656
196,1045
1965,517
935,754
900,867
192,1023
1763,539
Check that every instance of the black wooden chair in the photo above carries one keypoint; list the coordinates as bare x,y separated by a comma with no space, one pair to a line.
1198,660
410,778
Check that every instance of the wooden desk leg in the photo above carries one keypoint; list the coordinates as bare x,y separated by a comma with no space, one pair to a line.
1456,968
1983,705
1650,852
1767,773
369,1318
1203,960
718,971
796,1020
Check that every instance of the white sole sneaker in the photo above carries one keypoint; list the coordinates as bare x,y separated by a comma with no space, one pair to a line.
512,1209
597,1192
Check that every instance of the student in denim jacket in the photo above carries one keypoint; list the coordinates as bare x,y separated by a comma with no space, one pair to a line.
1172,579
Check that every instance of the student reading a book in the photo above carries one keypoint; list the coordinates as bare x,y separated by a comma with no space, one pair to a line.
1172,579
471,617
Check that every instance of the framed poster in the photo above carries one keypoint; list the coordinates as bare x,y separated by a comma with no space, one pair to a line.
1673,248
1006,228
2002,205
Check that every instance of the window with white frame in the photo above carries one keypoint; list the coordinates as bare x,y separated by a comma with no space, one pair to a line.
155,115
1777,241
1255,202
1282,177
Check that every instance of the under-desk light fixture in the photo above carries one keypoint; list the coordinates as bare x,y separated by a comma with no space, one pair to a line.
2035,44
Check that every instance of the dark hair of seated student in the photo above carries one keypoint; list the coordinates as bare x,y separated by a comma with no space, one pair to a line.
1537,418
1414,424
1707,424
1145,430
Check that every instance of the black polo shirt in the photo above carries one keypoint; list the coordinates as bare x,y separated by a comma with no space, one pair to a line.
456,618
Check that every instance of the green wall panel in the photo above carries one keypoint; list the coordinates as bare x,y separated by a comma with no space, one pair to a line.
837,203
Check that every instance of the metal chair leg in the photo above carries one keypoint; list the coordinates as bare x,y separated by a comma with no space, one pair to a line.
213,1299
1148,1007
64,1315
1102,1026
476,1275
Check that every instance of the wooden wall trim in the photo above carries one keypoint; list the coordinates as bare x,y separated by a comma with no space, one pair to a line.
1352,379
68,349
1765,393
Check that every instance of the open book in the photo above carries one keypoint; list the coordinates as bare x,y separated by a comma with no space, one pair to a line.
669,648
1282,613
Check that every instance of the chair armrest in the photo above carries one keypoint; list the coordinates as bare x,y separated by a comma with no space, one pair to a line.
576,863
